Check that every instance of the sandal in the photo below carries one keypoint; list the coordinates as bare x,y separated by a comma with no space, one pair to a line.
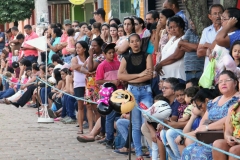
99,137
80,132
140,158
85,139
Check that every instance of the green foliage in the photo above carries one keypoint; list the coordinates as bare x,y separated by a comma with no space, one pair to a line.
15,10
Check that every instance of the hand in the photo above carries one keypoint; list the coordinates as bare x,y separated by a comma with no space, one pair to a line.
154,138
145,73
158,69
159,25
201,128
178,140
232,22
159,127
231,141
116,82
91,52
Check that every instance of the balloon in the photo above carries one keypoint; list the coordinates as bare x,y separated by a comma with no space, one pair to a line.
122,101
104,109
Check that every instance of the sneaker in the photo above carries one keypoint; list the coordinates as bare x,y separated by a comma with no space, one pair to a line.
63,119
109,145
104,141
70,121
85,125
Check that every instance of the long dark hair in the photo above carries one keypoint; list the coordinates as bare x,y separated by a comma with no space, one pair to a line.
57,74
56,58
85,46
132,22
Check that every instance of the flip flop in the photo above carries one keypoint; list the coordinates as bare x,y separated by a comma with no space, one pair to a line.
80,132
85,139
119,152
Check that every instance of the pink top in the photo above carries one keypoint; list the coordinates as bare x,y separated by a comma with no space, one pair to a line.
10,59
108,71
30,52
70,45
64,38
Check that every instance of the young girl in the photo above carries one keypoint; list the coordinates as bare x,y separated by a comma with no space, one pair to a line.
114,33
79,78
235,52
121,31
70,40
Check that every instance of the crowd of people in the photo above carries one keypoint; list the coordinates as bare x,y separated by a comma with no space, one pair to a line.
159,58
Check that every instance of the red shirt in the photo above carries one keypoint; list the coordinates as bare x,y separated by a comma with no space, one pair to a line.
64,38
30,52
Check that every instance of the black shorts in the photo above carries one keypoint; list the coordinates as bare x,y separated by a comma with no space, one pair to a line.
79,92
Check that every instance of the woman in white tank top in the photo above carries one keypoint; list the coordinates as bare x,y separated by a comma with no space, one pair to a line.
79,78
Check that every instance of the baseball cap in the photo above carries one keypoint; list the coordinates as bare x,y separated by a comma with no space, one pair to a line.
106,47
100,11
67,21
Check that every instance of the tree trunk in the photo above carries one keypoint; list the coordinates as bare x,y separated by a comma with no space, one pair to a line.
15,23
198,11
229,3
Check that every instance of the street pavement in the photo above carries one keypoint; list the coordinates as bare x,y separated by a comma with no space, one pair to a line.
22,138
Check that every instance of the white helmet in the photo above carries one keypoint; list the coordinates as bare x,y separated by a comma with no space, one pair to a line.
159,110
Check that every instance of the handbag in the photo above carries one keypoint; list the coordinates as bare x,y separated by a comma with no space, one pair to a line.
209,137
206,80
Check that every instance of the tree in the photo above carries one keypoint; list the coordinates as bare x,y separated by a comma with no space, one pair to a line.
198,11
15,10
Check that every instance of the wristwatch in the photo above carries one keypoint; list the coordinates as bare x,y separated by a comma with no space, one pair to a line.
207,127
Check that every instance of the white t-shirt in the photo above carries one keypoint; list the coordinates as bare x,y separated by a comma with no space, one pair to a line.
175,69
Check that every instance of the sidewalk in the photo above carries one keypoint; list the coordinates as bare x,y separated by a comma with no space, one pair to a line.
22,138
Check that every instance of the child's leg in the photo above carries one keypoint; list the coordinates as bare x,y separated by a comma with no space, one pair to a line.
161,150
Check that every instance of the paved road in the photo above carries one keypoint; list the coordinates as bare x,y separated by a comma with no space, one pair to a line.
22,138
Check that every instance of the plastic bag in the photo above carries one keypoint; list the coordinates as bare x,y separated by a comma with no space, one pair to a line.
206,80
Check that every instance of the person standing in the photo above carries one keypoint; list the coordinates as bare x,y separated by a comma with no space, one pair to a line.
209,33
174,5
188,44
99,15
30,53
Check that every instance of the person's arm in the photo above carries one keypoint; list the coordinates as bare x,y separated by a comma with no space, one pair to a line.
187,47
75,65
149,69
177,55
2,38
33,79
157,37
53,48
175,124
91,65
152,131
120,49
124,76
14,41
222,38
228,124
188,127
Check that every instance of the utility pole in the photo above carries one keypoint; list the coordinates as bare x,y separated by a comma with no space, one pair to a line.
42,18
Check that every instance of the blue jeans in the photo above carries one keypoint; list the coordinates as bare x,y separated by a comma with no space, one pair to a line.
67,59
110,118
7,93
193,74
122,127
169,137
142,94
33,59
68,107
42,94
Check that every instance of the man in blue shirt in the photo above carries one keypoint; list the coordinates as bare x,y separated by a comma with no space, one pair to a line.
173,5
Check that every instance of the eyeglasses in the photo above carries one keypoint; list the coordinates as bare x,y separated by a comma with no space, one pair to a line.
136,24
225,81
